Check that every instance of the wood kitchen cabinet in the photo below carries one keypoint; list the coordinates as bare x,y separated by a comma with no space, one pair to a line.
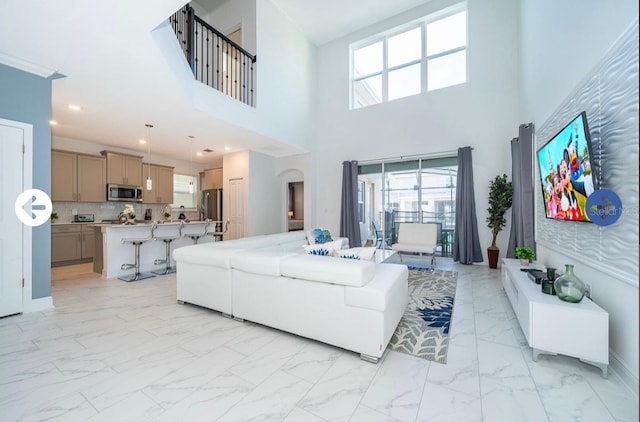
72,243
64,176
77,177
66,243
211,179
88,241
123,169
162,192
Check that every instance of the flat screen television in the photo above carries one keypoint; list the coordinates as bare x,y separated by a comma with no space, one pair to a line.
565,171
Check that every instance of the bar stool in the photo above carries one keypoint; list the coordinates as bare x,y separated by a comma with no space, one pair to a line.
168,269
136,242
196,236
218,235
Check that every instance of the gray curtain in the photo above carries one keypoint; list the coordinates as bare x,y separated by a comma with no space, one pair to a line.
349,225
522,209
466,242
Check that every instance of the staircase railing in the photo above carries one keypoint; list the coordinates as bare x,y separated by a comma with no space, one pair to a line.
214,59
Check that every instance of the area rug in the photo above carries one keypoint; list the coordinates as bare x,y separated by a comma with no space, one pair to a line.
423,330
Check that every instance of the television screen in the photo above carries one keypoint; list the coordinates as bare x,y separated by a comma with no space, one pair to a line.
565,171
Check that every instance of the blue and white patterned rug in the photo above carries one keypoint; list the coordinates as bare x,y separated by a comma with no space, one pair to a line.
423,330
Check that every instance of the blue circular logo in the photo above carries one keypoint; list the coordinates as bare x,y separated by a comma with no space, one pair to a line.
603,207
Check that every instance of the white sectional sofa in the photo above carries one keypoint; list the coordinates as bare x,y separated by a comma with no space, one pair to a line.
269,280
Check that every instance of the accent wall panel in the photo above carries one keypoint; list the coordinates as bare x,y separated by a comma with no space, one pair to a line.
609,95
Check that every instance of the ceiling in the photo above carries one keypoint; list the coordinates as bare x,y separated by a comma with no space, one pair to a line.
115,72
327,20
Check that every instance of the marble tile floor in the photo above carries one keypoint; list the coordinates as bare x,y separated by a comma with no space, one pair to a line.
116,351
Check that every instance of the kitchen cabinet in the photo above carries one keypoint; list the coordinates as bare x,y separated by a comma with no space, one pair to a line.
77,177
92,177
162,192
64,176
66,243
71,243
123,169
211,179
88,241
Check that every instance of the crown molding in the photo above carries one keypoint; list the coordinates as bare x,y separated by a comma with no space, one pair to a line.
26,66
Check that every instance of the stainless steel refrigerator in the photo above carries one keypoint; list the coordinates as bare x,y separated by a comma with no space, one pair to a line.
212,204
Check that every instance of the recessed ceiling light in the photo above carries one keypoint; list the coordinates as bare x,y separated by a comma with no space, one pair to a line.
142,141
74,107
199,154
53,122
227,148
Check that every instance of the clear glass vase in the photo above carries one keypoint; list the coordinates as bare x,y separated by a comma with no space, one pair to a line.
569,287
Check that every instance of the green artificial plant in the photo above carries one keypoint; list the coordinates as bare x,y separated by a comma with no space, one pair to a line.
500,198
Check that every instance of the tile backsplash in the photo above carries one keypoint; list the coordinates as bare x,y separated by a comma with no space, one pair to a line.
110,211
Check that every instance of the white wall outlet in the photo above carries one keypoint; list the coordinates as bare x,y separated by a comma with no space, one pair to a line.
74,211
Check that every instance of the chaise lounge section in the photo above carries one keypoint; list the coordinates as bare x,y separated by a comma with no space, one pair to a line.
352,304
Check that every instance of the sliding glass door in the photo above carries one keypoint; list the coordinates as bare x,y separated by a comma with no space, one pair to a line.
416,191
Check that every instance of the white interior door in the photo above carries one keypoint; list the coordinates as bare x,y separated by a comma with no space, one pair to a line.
11,162
236,209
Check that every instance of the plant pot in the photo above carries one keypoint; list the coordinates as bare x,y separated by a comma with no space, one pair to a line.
492,254
524,262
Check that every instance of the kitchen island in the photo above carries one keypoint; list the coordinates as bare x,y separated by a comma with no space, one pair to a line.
111,253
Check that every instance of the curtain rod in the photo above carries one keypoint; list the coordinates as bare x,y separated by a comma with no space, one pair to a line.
452,153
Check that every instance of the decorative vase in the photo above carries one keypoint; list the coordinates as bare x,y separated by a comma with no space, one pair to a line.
524,262
569,287
492,255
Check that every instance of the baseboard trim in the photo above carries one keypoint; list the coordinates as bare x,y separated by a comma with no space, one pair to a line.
40,304
621,370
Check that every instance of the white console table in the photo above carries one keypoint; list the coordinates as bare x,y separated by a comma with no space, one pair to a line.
552,326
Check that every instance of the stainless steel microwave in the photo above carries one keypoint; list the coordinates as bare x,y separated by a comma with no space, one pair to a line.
124,193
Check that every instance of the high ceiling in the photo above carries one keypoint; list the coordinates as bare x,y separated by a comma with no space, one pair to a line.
115,71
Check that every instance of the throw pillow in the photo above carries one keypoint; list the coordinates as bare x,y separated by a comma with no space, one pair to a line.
363,253
327,236
316,236
324,249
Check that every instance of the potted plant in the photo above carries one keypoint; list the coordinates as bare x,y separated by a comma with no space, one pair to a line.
525,254
500,197
54,217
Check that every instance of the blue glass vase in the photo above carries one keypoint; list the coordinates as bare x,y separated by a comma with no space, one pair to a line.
569,287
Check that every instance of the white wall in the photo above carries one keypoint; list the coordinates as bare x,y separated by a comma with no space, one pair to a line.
557,61
563,40
264,196
285,74
481,113
231,14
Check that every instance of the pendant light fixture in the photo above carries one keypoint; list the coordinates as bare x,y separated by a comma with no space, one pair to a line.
149,181
191,186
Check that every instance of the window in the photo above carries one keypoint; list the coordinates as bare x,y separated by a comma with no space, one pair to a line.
415,191
181,195
427,55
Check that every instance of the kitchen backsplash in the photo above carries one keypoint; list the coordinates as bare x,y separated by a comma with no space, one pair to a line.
110,211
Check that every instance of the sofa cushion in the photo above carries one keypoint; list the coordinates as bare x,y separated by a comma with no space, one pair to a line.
259,261
215,254
377,293
328,269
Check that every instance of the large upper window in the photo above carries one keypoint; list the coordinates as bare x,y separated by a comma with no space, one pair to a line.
427,55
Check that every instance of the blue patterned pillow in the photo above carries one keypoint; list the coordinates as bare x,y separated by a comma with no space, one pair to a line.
320,252
327,236
318,235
